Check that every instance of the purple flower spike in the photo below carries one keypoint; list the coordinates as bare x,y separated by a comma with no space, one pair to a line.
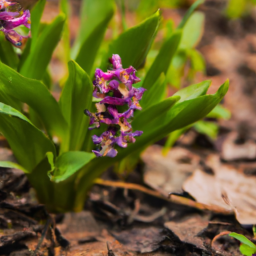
115,88
10,20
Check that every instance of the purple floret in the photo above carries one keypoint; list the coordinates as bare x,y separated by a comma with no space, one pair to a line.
12,19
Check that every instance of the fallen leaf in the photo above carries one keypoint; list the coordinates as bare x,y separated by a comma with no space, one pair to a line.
143,240
227,189
188,230
167,173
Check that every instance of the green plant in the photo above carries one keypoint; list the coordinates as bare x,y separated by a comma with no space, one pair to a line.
247,247
237,8
49,138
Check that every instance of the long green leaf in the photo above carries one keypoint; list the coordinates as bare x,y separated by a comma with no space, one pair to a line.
243,240
7,53
155,94
163,60
89,48
39,57
36,95
75,98
189,13
134,44
93,13
7,164
28,144
65,8
36,15
150,114
193,91
192,31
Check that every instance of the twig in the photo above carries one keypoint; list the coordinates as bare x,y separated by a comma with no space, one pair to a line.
49,220
172,198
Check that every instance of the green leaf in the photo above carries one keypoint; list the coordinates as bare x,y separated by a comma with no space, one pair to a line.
197,60
155,94
192,31
45,45
235,8
220,112
7,54
243,240
65,8
193,91
163,59
7,164
35,94
134,44
208,128
69,163
93,14
75,98
246,250
28,144
89,48
36,15
143,118
189,13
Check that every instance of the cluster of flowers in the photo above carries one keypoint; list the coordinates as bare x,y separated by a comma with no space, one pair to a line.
114,88
10,18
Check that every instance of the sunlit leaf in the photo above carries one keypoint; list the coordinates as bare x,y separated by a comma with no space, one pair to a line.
93,14
189,13
36,14
243,240
75,98
7,164
134,44
28,144
192,31
39,57
7,54
163,59
68,163
36,95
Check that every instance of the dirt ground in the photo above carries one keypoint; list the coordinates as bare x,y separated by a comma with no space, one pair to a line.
183,203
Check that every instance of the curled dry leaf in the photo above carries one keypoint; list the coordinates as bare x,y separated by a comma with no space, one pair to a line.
166,174
228,189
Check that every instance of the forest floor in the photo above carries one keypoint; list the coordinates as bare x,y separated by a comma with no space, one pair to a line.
183,203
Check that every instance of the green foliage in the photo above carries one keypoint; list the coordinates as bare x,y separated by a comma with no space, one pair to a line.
134,44
33,68
50,139
76,96
239,8
247,247
92,31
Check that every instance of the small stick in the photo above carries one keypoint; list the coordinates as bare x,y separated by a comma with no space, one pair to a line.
110,252
42,236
